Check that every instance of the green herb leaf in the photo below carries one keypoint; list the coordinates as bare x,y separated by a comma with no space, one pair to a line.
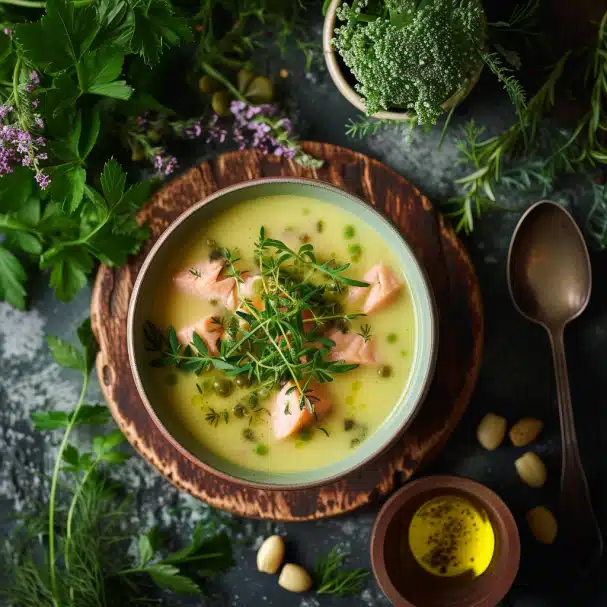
331,578
100,71
12,279
87,415
60,39
65,354
168,576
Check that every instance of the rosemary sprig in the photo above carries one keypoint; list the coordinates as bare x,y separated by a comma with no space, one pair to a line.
331,577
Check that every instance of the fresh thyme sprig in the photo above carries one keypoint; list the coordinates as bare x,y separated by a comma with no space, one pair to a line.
330,577
275,343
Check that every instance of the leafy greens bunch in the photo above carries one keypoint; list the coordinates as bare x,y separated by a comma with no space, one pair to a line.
411,54
82,548
77,79
59,79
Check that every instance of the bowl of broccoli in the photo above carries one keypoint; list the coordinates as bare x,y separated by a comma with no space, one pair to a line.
392,58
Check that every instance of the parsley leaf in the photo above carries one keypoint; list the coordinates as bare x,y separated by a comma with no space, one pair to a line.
87,415
12,279
60,39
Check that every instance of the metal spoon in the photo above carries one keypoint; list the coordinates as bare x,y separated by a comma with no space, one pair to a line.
549,278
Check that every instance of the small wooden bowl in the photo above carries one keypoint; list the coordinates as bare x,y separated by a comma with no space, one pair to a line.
334,65
406,584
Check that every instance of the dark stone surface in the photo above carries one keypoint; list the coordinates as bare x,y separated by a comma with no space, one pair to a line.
516,380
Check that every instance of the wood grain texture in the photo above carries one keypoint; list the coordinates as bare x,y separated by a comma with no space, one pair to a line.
455,288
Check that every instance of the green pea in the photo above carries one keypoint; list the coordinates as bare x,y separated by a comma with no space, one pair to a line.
223,387
355,251
384,371
349,232
243,381
392,338
240,410
305,434
261,449
248,434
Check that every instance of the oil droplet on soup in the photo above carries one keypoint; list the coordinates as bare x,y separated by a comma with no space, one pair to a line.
360,394
449,536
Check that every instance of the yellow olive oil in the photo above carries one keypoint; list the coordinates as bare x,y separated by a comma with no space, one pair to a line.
450,536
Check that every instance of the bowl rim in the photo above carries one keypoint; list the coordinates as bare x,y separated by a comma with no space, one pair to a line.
134,298
344,87
491,501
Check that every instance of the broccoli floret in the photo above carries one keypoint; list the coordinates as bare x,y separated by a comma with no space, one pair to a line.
413,55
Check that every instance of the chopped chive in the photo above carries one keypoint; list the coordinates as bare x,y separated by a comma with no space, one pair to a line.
392,338
349,232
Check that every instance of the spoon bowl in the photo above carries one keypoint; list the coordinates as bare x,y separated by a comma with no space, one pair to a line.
549,268
550,279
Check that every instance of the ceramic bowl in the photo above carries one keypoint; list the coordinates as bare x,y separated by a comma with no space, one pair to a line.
425,329
342,79
406,584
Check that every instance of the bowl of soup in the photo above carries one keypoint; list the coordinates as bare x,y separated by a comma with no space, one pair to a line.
282,333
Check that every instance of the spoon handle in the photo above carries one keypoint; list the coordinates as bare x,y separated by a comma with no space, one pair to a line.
577,522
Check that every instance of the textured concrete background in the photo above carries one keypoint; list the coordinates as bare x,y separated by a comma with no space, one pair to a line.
516,379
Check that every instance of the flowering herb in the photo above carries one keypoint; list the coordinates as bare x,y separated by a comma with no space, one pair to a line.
263,128
276,345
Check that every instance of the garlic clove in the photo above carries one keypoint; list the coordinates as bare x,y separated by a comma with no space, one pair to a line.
271,554
491,431
525,431
531,469
294,578
543,524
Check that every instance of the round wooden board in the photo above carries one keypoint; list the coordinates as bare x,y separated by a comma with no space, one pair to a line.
460,326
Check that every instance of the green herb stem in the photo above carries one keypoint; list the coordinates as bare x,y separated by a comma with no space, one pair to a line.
53,491
24,3
211,71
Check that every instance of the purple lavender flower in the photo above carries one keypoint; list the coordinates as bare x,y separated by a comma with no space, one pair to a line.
19,147
43,180
164,163
34,81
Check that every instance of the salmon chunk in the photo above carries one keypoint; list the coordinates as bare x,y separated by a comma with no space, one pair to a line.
203,281
384,287
288,418
352,348
208,328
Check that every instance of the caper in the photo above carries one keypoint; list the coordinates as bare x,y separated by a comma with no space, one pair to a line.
243,381
207,84
349,424
248,434
223,387
384,371
253,399
333,287
260,90
220,103
240,410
